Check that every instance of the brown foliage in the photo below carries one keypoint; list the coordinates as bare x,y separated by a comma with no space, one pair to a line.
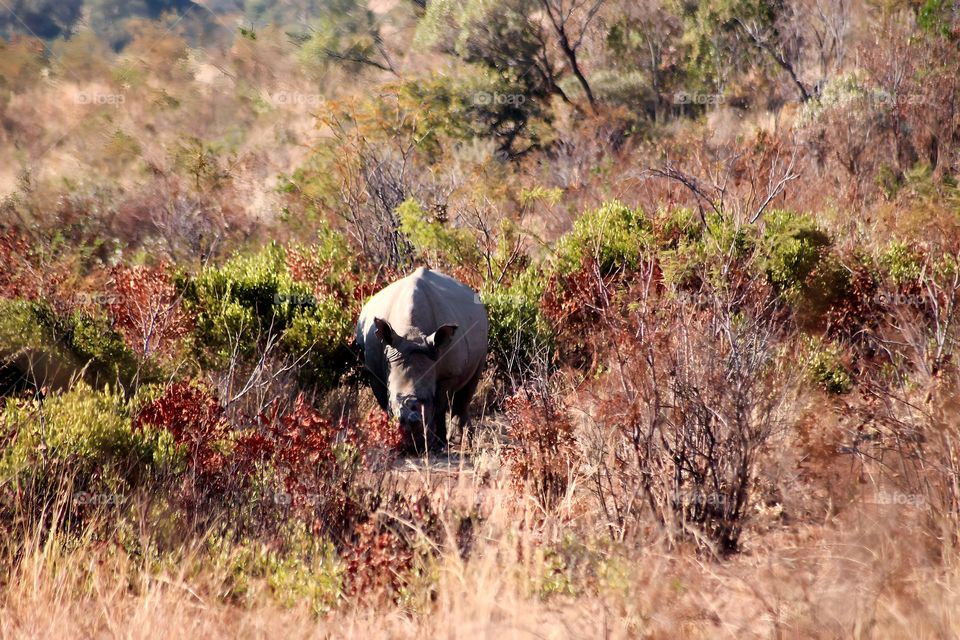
543,454
193,415
146,309
577,306
376,560
25,275
692,397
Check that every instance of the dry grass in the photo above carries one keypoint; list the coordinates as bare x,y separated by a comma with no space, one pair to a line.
870,571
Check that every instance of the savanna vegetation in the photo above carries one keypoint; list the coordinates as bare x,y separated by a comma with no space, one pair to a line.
719,246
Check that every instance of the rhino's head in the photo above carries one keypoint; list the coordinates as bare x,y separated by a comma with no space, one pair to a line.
412,375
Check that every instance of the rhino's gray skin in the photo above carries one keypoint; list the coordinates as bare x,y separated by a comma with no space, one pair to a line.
423,340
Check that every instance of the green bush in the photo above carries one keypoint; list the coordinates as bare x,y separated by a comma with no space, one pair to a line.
676,227
104,351
902,263
519,333
826,369
85,435
614,234
21,326
439,244
306,571
64,345
251,298
794,246
692,252
630,89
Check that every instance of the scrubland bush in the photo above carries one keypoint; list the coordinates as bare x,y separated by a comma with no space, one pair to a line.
253,303
438,244
543,456
613,235
688,412
795,246
827,370
519,334
147,310
305,572
59,347
82,442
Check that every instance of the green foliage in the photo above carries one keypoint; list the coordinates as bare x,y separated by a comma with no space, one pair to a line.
849,95
714,40
21,326
677,227
613,234
200,162
826,369
511,84
631,89
103,349
694,250
65,345
541,194
888,181
640,77
85,433
799,263
902,263
442,104
919,180
251,298
440,244
519,333
934,16
555,579
306,571
348,33
482,103
793,247
681,238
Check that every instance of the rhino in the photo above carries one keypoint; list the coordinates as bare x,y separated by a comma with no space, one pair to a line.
423,342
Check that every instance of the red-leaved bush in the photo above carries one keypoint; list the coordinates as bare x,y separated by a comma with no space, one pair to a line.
319,467
381,552
376,560
543,456
575,304
350,290
382,437
194,416
146,309
13,250
301,444
23,275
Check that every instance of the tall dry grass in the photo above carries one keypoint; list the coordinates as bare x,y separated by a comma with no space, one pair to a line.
870,571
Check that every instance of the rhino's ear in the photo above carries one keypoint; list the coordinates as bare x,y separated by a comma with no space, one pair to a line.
384,331
441,336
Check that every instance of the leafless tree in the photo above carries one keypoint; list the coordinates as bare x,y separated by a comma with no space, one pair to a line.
732,181
804,34
699,394
570,20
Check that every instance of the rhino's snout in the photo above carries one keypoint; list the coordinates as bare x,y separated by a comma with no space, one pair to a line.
413,412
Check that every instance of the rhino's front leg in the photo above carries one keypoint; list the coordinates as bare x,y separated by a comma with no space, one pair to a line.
460,408
438,436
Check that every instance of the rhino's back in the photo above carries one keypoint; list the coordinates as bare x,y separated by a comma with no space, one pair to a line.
418,305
